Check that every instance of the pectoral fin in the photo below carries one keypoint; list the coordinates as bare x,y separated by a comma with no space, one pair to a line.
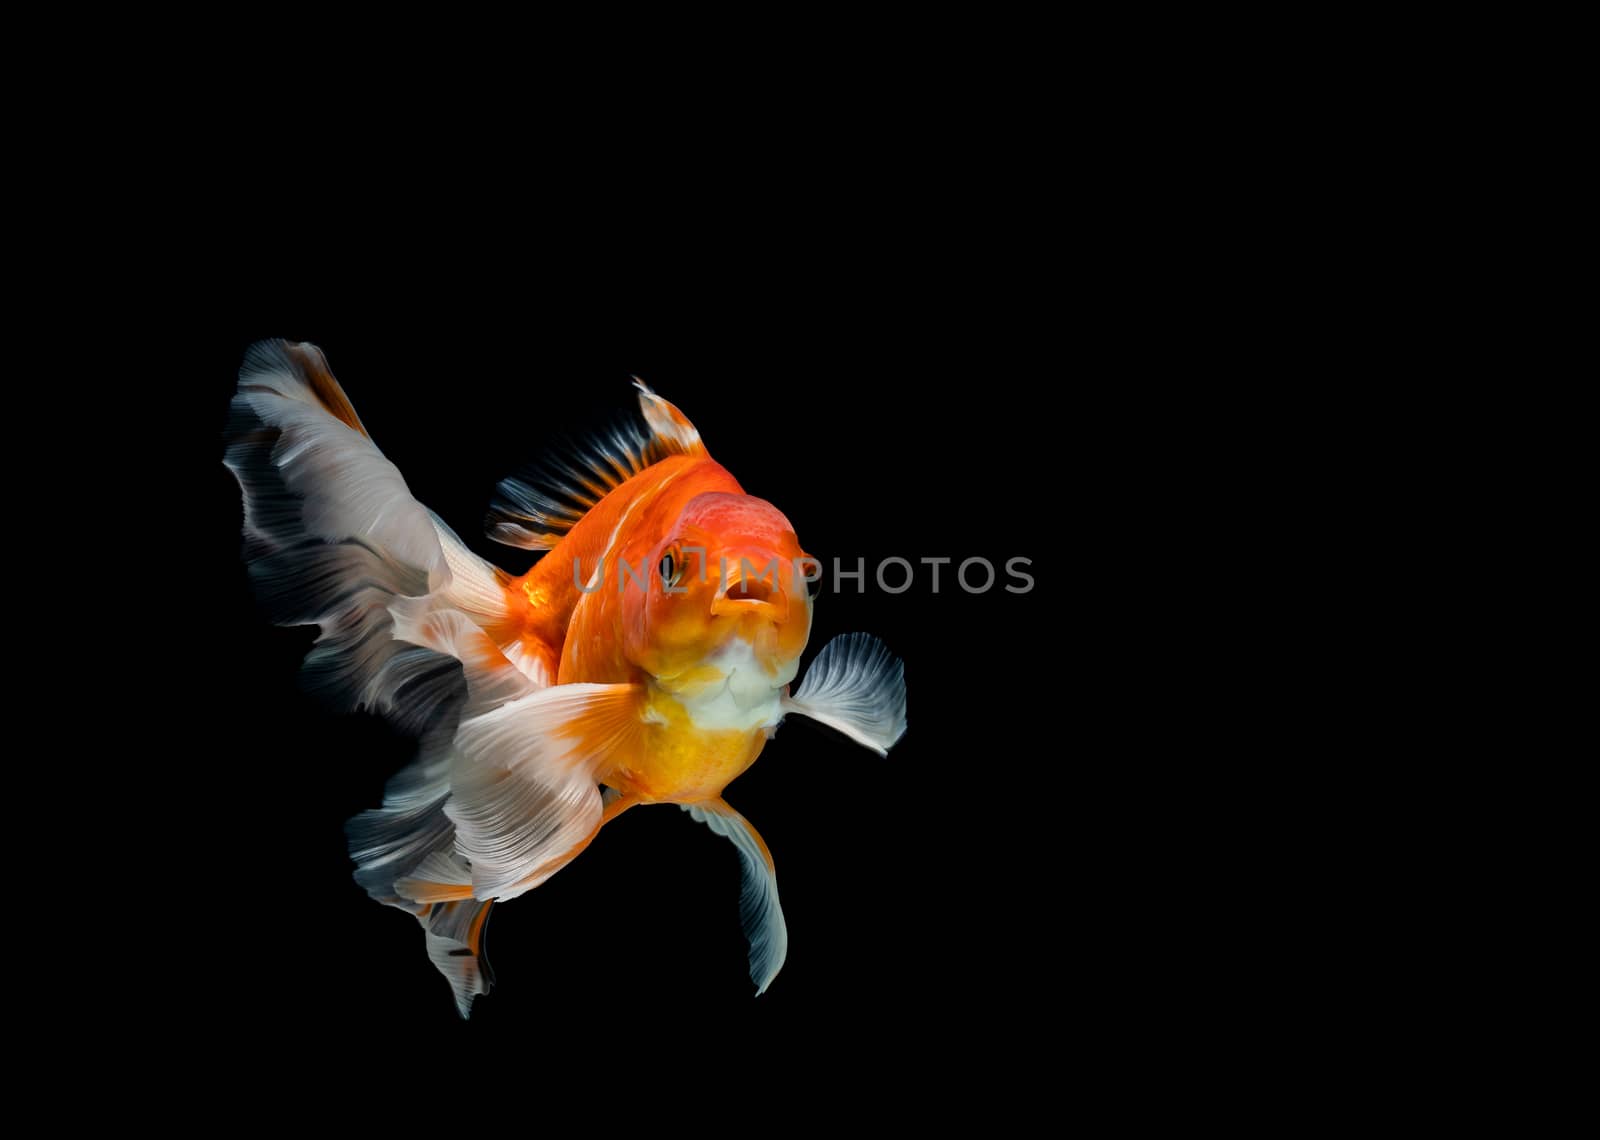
759,908
858,687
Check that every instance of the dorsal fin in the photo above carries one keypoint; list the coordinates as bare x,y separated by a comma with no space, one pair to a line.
670,427
535,508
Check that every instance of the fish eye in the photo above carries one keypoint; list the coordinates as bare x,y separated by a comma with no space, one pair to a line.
670,567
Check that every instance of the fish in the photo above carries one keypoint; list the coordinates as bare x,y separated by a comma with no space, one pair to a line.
645,658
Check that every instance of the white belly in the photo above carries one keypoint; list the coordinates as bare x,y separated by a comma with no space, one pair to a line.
748,697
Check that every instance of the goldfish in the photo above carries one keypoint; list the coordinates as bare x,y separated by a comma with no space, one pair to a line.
646,658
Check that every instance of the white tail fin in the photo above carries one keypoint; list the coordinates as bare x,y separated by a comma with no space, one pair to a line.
333,538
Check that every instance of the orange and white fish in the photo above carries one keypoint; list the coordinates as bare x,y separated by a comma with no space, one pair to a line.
645,658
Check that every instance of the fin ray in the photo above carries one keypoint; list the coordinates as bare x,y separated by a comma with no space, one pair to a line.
759,909
858,687
525,783
535,508
454,934
333,537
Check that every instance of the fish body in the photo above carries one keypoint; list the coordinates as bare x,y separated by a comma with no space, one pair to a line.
646,658
710,653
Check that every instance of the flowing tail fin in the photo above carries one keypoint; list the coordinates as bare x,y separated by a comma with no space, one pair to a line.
410,620
454,931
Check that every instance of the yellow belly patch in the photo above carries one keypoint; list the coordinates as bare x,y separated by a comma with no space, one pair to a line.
682,763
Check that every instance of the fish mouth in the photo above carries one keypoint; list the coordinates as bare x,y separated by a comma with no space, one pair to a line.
754,595
750,590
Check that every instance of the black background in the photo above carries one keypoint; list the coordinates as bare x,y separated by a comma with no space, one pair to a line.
934,899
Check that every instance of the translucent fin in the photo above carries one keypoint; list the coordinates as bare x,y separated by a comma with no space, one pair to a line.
285,432
388,842
441,876
858,687
470,678
454,935
333,538
535,508
524,786
672,430
311,367
759,909
406,613
476,588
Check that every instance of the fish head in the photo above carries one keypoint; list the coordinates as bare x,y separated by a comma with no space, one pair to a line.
727,592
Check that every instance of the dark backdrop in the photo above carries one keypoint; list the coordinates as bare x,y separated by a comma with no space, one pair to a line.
934,899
